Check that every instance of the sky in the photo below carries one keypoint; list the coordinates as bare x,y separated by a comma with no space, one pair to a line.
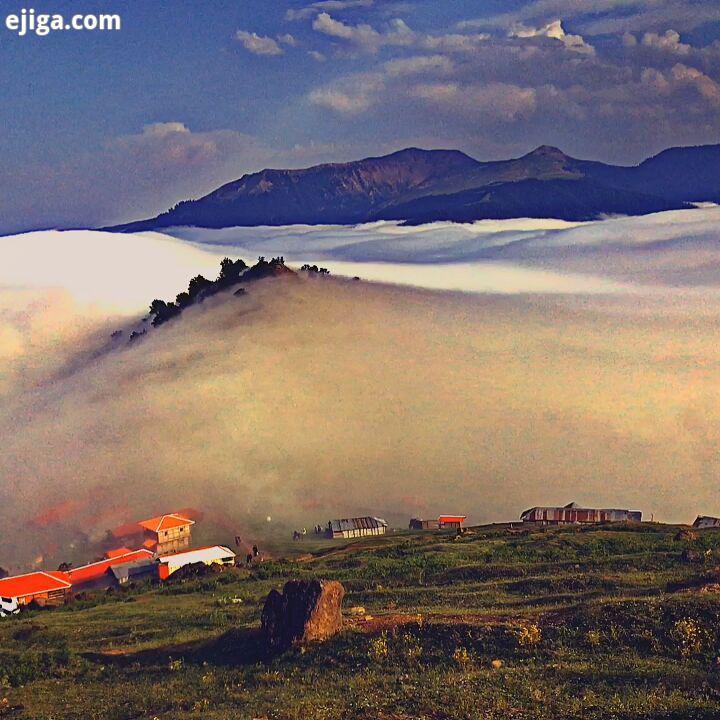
108,127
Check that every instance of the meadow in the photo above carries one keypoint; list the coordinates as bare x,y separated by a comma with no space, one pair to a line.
499,623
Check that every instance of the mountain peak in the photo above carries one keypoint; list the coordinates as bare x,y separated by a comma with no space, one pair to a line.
547,151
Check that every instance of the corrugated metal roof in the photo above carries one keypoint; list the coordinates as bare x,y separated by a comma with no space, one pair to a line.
358,523
98,569
208,554
126,570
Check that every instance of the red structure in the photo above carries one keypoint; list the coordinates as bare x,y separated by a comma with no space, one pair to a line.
454,522
97,571
45,588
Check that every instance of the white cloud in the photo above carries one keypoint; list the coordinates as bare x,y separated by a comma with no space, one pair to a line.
259,45
421,64
597,17
554,30
355,95
164,129
669,42
316,55
704,85
364,36
500,101
326,5
398,34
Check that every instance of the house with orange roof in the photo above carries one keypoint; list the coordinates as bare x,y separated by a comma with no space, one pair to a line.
44,588
96,573
166,533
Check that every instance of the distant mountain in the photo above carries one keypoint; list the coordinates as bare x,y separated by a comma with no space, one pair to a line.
417,186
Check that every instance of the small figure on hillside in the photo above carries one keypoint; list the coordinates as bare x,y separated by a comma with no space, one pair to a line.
238,541
255,550
304,532
248,559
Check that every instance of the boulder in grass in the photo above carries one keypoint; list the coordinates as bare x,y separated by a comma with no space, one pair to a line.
305,611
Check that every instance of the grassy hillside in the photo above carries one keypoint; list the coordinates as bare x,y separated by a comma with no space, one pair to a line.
557,623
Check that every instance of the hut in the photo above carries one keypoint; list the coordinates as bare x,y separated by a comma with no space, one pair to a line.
451,522
420,524
574,514
705,521
356,527
43,588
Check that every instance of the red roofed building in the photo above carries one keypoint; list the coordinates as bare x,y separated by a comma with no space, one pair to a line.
161,534
451,521
45,588
96,573
117,552
167,533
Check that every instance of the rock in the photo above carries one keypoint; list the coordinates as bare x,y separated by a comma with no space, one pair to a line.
685,535
497,664
305,611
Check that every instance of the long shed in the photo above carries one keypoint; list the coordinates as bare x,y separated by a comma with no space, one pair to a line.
574,514
356,527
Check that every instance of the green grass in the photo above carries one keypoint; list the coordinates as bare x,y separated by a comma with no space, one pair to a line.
580,619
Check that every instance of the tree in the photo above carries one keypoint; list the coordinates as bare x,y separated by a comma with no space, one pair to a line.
198,285
163,311
230,271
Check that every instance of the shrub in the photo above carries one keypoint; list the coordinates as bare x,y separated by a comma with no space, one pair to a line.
379,648
528,634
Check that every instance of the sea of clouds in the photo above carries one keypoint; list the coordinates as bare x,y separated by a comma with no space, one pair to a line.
579,362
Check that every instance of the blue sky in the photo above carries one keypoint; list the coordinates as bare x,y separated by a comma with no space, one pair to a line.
108,127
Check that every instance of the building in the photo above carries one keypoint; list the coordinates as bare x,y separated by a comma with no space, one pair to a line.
444,522
451,522
420,524
136,571
705,521
44,588
356,527
213,555
95,574
166,533
162,534
573,514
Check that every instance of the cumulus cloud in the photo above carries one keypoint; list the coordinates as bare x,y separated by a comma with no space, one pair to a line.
500,101
668,42
554,30
597,17
354,95
364,36
257,44
704,85
398,33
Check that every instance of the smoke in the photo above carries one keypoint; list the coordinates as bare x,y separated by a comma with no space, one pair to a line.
323,397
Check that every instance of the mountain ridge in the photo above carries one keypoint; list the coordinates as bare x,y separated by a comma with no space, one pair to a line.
410,184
